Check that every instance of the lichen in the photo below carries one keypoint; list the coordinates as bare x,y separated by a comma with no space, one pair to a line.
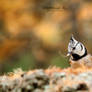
49,80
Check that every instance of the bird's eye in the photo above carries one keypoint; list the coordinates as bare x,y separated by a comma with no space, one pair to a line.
73,48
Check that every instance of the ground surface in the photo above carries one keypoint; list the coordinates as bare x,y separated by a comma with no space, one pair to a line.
49,80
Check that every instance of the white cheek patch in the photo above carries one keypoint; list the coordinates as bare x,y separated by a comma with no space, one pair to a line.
80,50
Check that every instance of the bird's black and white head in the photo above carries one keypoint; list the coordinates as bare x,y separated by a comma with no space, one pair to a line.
76,49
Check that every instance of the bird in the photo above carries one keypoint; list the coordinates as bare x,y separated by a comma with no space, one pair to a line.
79,56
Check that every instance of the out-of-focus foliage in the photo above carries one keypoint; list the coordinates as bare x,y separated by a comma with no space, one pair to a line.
35,33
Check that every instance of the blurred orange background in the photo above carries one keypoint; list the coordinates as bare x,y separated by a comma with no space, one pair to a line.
35,33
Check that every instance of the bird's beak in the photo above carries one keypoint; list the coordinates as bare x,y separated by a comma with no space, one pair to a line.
68,54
